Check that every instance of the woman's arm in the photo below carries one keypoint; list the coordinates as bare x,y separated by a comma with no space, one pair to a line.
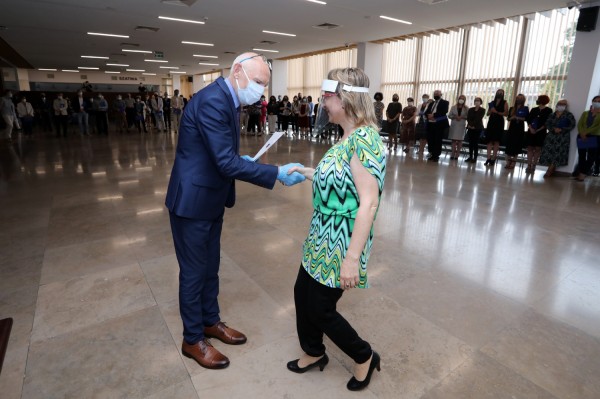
368,195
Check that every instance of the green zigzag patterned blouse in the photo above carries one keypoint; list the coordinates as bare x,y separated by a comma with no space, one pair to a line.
335,203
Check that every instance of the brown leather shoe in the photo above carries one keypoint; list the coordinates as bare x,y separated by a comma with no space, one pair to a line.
223,333
205,354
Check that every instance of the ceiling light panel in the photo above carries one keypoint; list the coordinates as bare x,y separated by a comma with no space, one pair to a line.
395,20
156,61
205,56
107,34
265,50
279,33
119,65
191,21
207,63
136,51
197,43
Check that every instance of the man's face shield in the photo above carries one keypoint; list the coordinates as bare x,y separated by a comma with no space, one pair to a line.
329,89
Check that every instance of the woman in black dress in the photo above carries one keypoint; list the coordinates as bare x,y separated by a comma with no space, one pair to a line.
537,132
517,115
495,128
474,128
393,112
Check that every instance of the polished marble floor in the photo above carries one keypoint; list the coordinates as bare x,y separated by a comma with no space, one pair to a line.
485,284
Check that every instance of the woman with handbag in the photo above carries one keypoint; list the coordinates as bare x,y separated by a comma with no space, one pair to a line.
587,140
537,131
458,116
555,151
517,115
474,128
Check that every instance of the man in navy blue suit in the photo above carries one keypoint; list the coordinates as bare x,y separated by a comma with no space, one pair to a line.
437,124
202,184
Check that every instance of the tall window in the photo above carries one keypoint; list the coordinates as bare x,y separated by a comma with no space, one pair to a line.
306,74
525,54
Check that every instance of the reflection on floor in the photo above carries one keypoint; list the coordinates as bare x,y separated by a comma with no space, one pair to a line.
485,284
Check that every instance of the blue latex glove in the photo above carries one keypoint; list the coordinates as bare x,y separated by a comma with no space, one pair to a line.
294,178
247,158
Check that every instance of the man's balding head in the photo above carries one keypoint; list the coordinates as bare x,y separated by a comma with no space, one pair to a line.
255,67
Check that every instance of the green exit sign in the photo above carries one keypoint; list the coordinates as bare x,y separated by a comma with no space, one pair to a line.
159,55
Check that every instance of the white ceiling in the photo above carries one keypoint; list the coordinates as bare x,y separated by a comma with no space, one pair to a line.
52,33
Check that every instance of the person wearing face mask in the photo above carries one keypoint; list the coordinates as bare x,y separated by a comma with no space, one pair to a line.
286,112
458,115
202,184
9,114
393,113
102,115
437,123
61,117
303,121
536,133
379,107
119,110
272,112
140,114
25,114
555,151
407,136
421,126
517,115
588,139
474,128
497,111
81,107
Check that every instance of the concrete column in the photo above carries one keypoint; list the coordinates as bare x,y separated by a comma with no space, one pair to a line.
23,79
583,82
279,78
369,58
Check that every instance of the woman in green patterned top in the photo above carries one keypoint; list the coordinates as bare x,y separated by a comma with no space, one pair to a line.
347,186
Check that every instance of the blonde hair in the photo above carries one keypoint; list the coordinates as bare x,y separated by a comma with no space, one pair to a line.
357,106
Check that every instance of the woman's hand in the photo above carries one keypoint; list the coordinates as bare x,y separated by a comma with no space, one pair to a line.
306,172
349,272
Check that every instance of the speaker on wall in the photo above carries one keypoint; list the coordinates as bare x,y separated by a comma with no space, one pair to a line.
587,19
190,79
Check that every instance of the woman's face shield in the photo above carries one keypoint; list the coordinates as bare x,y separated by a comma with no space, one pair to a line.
331,88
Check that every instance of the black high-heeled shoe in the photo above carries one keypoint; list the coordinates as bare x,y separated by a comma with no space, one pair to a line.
321,363
355,385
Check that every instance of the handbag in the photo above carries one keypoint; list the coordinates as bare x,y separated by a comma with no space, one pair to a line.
589,143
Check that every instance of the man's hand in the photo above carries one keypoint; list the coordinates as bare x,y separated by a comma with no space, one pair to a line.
247,158
289,178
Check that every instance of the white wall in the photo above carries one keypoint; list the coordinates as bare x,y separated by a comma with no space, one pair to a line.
93,77
583,82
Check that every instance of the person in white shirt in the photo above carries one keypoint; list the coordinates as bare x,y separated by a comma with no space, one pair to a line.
157,109
25,113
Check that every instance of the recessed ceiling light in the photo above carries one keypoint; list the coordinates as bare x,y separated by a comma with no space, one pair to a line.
168,67
182,20
197,44
107,34
156,61
265,50
395,20
94,56
205,56
317,1
177,72
46,69
136,51
207,63
121,65
147,73
88,68
69,70
278,33
112,72
135,70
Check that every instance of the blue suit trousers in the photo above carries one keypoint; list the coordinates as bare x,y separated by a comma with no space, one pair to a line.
198,249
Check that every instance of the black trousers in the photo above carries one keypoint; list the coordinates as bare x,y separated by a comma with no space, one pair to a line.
435,134
473,135
316,315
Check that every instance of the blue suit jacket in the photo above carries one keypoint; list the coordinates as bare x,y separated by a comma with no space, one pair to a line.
440,112
207,160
